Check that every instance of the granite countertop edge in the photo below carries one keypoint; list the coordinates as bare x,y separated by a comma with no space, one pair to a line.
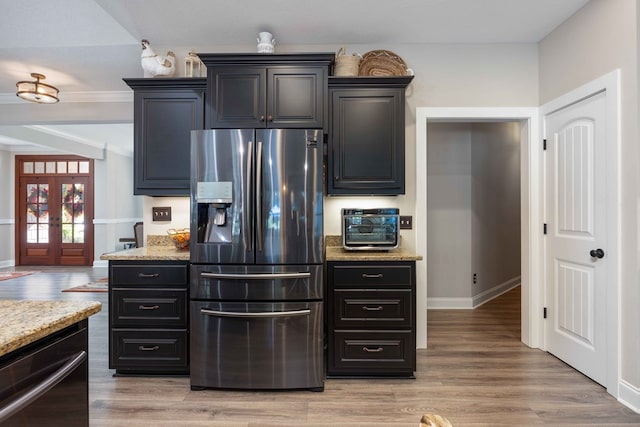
159,248
26,321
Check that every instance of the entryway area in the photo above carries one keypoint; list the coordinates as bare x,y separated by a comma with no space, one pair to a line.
54,210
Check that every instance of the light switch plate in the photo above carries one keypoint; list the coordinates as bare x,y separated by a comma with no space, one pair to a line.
161,213
406,222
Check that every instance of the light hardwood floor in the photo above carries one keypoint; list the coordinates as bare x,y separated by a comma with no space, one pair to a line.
476,372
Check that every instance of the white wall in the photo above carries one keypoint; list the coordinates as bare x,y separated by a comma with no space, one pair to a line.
116,209
449,210
599,38
7,209
495,206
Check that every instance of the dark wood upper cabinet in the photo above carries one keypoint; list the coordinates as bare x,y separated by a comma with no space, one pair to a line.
166,110
273,91
366,135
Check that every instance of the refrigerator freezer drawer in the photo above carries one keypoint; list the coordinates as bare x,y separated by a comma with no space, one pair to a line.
257,345
253,283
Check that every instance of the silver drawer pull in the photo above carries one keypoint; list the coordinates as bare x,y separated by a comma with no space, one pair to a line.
218,313
147,307
148,276
367,308
372,276
143,348
257,276
372,350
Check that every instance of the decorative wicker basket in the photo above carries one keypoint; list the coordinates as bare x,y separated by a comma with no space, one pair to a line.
382,63
347,65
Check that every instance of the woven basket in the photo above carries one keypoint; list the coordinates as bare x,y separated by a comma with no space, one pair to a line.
347,65
382,63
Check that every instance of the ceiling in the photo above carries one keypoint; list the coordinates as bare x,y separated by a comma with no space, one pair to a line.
85,47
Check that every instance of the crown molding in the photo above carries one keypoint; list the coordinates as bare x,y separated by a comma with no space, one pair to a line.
96,96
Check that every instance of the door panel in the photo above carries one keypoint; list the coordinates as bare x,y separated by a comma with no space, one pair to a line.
576,216
223,158
54,211
289,196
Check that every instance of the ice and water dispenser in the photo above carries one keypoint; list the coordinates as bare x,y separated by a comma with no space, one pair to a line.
214,206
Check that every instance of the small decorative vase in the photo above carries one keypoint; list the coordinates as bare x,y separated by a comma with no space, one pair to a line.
266,42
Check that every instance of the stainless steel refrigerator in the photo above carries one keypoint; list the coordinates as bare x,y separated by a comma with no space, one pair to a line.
256,284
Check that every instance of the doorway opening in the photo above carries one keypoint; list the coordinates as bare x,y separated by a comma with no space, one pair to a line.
54,210
473,211
530,212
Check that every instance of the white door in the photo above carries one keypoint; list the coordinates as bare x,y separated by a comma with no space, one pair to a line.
577,273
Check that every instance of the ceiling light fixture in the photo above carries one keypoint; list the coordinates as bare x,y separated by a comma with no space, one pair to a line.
36,91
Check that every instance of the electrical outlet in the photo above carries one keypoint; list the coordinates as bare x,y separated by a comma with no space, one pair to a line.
406,222
161,213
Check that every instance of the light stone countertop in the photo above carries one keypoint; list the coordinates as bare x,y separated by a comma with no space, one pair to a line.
26,321
159,248
335,252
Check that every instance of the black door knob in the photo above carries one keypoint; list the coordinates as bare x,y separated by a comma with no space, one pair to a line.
597,253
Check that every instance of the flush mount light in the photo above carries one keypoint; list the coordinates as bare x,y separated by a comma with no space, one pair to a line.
36,91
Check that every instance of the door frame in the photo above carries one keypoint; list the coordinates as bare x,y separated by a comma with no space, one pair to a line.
530,208
89,200
610,85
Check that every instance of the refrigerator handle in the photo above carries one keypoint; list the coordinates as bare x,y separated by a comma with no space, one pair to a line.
247,234
259,225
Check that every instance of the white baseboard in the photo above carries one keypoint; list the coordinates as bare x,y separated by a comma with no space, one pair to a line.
495,292
475,301
629,396
449,303
100,263
7,263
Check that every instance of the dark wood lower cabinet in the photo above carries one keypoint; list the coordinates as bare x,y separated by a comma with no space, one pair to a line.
371,319
148,317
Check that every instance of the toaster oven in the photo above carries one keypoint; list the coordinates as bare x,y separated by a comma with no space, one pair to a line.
370,229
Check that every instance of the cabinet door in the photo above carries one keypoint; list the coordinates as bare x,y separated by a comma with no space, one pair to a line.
367,141
237,97
163,124
295,97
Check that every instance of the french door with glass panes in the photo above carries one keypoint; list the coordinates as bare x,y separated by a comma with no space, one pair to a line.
54,204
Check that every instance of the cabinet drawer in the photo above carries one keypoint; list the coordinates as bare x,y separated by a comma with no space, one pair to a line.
148,275
160,308
149,350
373,353
373,309
372,276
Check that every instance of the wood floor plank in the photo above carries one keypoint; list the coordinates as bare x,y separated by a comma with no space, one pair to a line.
476,372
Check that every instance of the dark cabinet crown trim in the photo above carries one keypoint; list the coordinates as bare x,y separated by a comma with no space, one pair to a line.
266,59
167,83
370,81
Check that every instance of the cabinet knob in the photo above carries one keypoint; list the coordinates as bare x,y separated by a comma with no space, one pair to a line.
270,118
262,118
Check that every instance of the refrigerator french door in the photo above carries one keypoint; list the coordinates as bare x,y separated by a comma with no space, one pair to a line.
256,254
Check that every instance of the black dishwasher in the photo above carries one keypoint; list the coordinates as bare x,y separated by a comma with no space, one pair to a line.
46,383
